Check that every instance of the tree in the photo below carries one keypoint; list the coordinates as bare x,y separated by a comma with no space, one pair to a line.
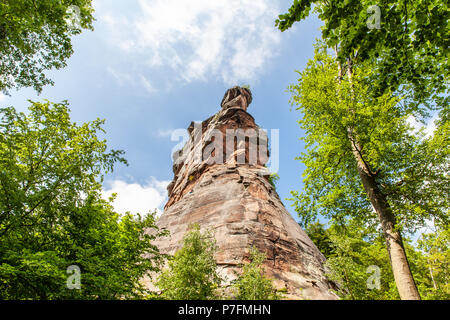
53,219
363,161
35,36
408,57
406,41
358,261
436,262
192,272
251,284
320,236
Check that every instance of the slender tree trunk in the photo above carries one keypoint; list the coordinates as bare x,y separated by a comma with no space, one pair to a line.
397,254
432,277
348,284
400,267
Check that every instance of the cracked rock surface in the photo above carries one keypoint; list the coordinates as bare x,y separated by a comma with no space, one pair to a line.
237,201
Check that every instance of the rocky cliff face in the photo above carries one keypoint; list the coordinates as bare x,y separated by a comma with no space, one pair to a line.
221,183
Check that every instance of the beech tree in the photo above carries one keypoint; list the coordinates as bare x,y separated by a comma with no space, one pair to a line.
364,161
358,261
407,58
251,284
191,273
35,36
406,41
436,245
53,219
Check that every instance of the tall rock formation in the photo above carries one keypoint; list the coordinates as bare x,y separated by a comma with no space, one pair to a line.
221,183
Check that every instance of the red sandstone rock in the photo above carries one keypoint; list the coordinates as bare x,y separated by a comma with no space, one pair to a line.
238,203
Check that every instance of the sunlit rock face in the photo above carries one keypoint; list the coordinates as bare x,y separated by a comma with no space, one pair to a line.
221,183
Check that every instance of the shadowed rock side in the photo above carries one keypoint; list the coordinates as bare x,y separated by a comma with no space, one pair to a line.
236,200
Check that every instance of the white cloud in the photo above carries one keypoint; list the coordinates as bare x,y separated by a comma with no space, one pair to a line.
121,77
431,126
429,227
125,78
2,97
147,85
231,40
137,198
428,129
165,132
96,5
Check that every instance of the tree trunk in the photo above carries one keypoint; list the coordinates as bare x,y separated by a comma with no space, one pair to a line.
397,254
432,277
399,263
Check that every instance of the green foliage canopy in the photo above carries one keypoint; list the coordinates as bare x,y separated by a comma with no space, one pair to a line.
351,249
411,170
251,284
436,245
409,50
52,215
35,36
192,272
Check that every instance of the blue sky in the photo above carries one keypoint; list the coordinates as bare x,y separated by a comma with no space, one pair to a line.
150,67
153,66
